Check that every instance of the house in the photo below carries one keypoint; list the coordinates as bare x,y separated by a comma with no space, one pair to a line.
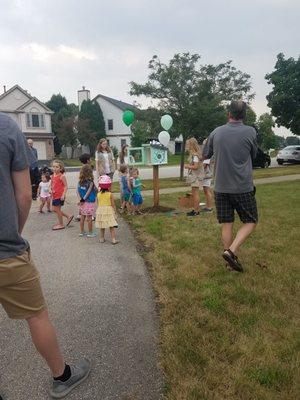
32,116
117,133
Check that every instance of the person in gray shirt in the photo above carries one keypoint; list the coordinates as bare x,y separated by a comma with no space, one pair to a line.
234,146
20,290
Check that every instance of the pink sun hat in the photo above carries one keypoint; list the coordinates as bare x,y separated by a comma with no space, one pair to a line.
104,182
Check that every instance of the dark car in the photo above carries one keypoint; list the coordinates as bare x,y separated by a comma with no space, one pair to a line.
262,160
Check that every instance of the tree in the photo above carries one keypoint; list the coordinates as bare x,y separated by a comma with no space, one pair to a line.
85,135
67,133
250,116
267,138
140,133
193,94
284,99
292,141
62,119
91,112
280,142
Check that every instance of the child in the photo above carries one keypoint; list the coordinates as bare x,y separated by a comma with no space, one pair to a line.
207,183
125,188
86,192
44,192
106,211
136,186
85,158
59,189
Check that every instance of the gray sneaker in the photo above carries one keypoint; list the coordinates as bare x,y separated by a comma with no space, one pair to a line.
79,373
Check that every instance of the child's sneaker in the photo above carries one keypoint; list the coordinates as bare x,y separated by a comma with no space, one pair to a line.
81,234
91,234
79,373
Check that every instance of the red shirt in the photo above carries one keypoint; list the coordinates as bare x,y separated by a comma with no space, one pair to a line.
58,186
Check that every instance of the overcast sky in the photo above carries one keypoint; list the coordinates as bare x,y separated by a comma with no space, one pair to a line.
60,45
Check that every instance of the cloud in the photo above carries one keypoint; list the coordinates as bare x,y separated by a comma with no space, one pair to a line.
44,53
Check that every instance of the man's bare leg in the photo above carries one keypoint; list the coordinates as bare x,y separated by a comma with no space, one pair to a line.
45,340
227,234
241,236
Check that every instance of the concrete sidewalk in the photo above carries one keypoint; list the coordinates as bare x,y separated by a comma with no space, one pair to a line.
103,307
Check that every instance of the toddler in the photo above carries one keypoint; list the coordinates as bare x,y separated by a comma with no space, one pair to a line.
86,192
136,185
106,211
44,192
125,188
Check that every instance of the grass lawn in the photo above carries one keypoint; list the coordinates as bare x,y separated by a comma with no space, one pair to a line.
226,335
277,171
257,173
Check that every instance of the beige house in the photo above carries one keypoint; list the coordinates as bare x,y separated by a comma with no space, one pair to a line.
32,116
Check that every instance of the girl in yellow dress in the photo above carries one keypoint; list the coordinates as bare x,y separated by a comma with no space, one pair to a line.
106,211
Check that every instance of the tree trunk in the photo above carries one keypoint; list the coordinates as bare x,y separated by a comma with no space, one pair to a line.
182,159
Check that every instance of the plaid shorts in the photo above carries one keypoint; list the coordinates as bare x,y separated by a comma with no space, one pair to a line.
243,203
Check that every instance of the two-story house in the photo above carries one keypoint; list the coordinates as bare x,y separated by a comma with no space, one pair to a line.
117,133
32,116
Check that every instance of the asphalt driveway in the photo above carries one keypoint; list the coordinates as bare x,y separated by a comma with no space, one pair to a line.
101,302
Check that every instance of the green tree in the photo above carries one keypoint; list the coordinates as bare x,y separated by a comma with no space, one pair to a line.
67,133
92,112
192,93
85,135
267,136
284,99
62,119
140,133
250,117
280,142
292,141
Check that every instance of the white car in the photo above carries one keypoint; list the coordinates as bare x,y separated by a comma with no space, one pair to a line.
290,154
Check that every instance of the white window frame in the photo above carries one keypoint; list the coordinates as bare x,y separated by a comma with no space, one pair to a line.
41,118
112,124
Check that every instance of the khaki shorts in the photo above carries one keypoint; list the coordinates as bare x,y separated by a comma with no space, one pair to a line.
20,290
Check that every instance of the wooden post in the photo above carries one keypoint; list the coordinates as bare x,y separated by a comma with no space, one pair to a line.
155,185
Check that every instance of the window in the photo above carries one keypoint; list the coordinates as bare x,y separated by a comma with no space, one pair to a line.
35,120
123,142
110,123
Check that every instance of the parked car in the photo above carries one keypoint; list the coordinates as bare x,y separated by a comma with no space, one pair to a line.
290,154
262,160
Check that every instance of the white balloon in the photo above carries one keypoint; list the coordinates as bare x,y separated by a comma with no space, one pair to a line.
164,138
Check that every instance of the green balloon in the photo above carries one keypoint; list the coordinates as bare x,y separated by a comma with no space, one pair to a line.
128,117
166,121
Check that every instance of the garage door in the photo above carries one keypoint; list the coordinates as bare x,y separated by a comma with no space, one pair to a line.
41,149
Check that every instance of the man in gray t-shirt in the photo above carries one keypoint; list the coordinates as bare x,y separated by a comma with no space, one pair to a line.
20,290
234,146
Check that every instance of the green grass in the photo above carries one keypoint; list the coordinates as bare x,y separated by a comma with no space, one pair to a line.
258,173
226,335
277,171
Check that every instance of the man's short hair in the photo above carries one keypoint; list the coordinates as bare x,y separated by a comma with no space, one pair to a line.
237,109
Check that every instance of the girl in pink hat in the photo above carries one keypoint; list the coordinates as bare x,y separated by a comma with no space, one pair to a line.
106,211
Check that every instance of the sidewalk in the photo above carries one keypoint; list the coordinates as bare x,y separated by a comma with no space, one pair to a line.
103,307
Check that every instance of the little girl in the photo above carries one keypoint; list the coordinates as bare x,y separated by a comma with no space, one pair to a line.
59,189
86,192
136,185
106,211
125,188
44,192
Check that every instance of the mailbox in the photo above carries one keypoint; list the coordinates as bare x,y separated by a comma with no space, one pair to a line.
148,154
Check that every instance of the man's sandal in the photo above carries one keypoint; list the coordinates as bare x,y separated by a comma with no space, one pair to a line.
232,260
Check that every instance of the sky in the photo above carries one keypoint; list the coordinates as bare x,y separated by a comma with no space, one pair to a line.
58,46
